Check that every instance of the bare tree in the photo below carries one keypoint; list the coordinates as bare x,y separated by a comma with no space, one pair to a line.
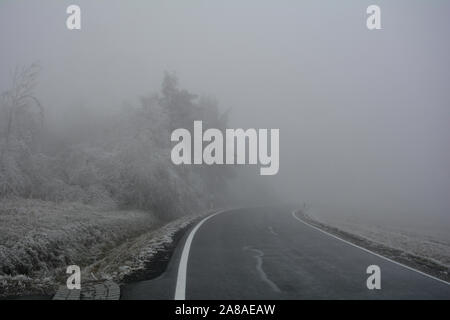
21,116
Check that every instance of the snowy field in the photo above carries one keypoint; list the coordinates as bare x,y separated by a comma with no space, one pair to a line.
39,239
423,238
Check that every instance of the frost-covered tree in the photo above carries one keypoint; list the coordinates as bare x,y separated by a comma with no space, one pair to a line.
180,104
121,159
21,118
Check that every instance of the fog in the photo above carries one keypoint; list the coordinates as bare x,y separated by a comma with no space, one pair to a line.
363,115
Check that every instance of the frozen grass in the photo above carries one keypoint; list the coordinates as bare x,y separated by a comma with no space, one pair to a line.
424,245
133,256
428,242
39,239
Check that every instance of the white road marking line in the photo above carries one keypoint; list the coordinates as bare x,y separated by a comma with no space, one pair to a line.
366,250
180,289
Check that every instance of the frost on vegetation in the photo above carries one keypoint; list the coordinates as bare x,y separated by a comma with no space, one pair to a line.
70,192
39,239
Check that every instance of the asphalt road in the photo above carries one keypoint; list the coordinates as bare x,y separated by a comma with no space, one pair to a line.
266,253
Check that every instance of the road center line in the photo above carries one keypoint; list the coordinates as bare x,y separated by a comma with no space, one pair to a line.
366,250
180,289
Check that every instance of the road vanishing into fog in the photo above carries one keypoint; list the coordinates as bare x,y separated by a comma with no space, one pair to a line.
267,253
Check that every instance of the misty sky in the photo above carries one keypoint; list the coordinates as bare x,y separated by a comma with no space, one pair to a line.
364,116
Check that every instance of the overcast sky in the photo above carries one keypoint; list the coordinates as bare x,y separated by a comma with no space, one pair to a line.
364,116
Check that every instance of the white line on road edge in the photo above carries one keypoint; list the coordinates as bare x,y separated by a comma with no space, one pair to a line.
180,289
366,250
